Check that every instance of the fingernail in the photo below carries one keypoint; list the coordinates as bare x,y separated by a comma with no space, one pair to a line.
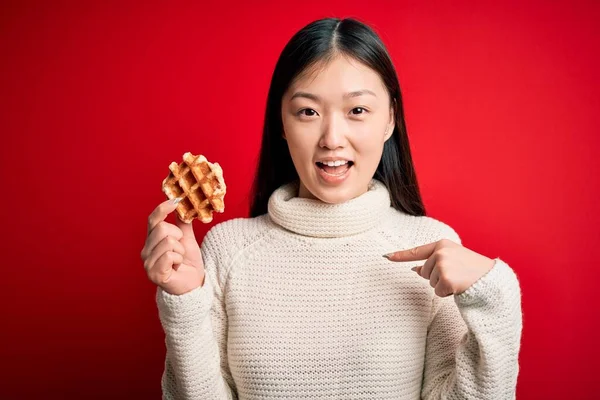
414,269
387,256
176,200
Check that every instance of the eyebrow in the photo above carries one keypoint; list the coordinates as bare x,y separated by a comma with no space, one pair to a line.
316,98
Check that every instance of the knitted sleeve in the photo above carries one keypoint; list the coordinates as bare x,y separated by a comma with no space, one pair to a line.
195,326
474,338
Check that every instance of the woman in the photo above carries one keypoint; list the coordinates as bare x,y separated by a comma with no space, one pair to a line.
297,302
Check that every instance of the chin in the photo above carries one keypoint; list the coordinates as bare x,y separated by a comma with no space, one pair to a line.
334,194
334,197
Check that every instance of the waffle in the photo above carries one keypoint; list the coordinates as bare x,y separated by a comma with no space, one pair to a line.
199,184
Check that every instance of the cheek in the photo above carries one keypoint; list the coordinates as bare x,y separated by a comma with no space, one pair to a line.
369,145
301,149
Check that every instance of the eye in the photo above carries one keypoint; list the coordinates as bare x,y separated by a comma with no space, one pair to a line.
310,110
362,109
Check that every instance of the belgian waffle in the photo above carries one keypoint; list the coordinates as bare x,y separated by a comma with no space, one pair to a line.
200,186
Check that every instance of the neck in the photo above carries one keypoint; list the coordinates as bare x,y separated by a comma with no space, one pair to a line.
314,218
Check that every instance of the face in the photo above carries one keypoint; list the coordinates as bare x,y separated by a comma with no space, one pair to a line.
336,119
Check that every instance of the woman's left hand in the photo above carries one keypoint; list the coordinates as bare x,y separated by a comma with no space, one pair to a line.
450,267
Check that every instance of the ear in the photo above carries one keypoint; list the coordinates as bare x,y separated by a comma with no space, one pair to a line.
391,125
389,132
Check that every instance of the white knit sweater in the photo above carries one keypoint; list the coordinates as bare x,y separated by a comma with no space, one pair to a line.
300,304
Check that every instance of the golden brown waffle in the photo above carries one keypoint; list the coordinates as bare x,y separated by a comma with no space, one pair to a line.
199,184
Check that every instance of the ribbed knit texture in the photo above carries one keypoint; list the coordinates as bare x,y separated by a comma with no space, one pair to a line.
300,304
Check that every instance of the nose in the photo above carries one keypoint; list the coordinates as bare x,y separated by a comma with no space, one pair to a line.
334,135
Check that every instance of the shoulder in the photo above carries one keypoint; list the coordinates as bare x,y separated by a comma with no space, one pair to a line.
237,233
435,229
225,242
226,239
420,229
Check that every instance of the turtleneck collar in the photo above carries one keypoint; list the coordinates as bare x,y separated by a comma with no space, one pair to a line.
311,217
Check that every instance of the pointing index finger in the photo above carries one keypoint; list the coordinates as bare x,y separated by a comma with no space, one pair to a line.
415,254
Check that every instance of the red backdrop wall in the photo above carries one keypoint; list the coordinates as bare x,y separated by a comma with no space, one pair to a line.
97,99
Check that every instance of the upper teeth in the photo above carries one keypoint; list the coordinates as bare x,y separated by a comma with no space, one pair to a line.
336,163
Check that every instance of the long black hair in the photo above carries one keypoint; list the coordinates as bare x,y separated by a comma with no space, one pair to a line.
320,41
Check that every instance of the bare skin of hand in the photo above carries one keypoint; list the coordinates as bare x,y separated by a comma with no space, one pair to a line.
449,267
171,255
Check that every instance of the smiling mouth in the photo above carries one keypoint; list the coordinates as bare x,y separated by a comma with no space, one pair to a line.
335,171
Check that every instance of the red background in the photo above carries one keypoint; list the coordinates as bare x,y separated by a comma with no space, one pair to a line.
502,106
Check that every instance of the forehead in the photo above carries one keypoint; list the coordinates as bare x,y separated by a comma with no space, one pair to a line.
340,75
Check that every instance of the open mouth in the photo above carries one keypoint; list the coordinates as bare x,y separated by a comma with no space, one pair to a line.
335,170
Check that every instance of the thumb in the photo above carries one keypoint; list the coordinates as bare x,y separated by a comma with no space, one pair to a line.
186,228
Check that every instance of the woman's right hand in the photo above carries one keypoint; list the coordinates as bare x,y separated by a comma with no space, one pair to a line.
171,254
